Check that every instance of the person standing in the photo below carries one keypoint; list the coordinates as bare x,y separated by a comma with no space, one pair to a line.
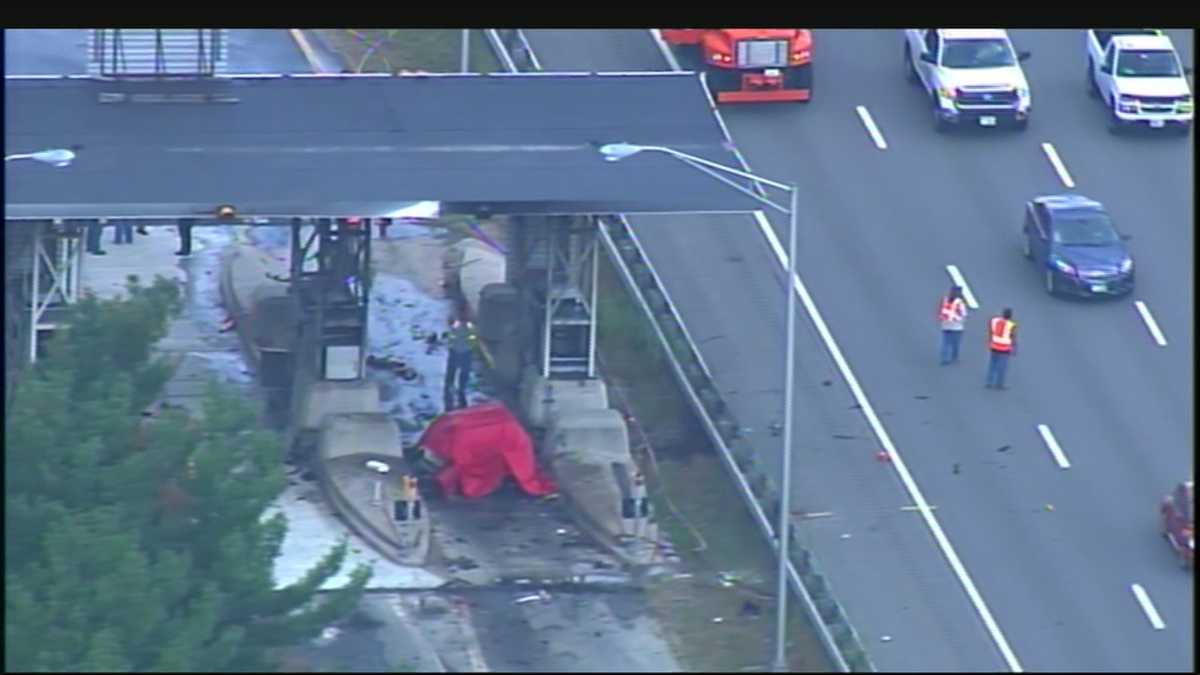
123,232
185,236
953,315
1002,343
461,342
95,229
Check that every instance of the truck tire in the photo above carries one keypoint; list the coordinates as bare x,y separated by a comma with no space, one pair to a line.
940,125
1114,123
800,77
723,79
910,69
690,57
1093,90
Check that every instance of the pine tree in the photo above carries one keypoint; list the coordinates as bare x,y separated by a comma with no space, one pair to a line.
135,545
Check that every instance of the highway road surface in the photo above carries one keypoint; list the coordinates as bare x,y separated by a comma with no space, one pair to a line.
64,51
1052,553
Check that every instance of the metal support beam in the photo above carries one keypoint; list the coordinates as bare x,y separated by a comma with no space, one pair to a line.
556,267
54,275
333,297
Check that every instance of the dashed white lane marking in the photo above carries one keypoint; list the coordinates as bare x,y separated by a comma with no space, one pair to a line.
914,492
960,280
1151,323
1059,457
1143,599
1057,162
865,116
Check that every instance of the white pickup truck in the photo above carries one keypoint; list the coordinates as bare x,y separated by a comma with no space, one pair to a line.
1139,77
972,76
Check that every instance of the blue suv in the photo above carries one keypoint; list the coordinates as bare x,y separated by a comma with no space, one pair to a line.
1076,247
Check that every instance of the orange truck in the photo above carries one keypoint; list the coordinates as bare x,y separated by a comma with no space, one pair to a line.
748,64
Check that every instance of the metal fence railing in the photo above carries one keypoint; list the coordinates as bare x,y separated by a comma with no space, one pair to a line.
758,489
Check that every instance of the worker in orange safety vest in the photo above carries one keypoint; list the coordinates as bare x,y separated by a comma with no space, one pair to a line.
952,315
1002,343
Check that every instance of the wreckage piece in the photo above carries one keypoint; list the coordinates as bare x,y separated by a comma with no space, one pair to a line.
365,476
481,446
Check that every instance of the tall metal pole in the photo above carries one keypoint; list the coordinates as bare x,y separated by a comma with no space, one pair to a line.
466,51
785,496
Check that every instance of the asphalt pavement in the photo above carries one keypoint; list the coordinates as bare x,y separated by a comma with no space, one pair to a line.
878,228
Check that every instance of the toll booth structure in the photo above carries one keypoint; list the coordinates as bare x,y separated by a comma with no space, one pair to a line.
331,155
554,265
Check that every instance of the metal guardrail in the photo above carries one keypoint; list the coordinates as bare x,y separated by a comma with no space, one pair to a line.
758,490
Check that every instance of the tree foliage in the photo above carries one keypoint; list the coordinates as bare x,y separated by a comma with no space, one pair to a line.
140,544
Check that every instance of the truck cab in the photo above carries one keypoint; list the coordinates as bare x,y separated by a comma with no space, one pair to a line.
748,64
1140,79
972,76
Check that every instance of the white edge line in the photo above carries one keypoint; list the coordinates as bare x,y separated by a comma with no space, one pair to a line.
1143,599
1151,324
869,123
960,280
1057,162
868,411
666,50
1052,443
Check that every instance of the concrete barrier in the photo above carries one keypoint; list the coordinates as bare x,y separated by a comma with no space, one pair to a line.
542,399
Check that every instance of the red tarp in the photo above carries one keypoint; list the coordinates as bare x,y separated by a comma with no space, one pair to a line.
481,445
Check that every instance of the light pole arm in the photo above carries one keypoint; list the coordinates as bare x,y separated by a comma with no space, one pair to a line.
731,183
9,158
720,167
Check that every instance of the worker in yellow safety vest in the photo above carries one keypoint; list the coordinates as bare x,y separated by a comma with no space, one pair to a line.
1002,343
952,315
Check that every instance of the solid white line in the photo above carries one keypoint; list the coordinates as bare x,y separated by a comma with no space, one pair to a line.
869,123
665,49
1151,323
1143,599
1059,167
914,492
960,280
1048,437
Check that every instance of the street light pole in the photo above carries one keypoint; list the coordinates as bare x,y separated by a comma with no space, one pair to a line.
617,151
785,492
466,51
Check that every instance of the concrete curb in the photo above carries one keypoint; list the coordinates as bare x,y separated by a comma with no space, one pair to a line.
234,308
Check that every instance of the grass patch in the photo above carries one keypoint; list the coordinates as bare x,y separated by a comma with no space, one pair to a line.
436,50
693,478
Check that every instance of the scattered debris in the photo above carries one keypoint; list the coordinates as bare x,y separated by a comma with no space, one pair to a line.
955,470
826,383
560,531
1003,448
776,428
883,456
846,535
844,437
727,579
540,596
750,609
718,619
1049,507
921,397
885,638
682,575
